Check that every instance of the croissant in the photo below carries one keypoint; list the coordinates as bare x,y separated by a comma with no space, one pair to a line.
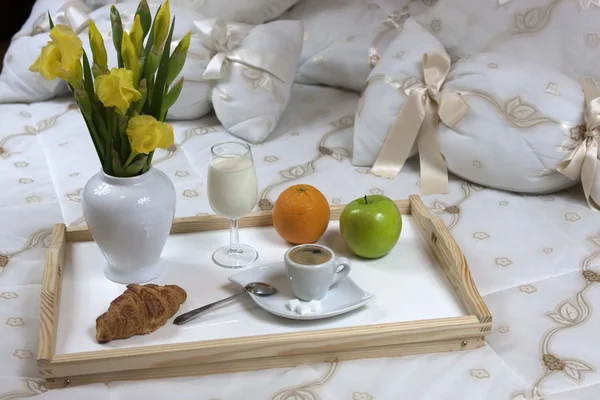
140,310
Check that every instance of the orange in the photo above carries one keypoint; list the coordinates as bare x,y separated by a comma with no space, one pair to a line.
301,214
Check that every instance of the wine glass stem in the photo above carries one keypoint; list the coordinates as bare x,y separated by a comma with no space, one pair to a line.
234,238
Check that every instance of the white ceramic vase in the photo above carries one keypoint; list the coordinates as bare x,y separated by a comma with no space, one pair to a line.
130,220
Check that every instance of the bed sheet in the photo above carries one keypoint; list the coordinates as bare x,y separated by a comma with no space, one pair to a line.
534,259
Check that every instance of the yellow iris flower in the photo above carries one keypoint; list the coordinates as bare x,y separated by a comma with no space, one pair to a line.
60,58
146,134
97,45
116,89
161,25
128,53
137,34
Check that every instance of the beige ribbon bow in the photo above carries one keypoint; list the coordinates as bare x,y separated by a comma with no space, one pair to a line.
419,120
225,42
581,162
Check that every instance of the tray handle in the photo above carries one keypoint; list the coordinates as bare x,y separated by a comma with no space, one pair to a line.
451,259
50,297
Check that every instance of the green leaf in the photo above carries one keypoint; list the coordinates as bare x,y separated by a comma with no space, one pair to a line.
99,117
50,22
113,123
125,146
146,52
107,162
141,65
88,81
117,164
85,105
150,41
89,88
171,97
137,165
117,32
88,106
178,58
145,16
143,89
123,122
98,145
161,77
148,162
152,63
96,71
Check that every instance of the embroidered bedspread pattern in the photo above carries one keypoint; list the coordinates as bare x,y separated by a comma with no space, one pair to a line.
534,259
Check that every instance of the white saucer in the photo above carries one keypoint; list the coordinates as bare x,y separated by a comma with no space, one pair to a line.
344,296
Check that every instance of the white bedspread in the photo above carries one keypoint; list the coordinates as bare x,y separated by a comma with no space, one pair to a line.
533,259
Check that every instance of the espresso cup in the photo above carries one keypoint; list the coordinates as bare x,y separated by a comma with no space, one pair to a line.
312,269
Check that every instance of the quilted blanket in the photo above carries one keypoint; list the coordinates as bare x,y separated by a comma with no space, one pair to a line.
533,258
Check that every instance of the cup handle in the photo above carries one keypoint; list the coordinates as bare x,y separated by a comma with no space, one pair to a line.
338,275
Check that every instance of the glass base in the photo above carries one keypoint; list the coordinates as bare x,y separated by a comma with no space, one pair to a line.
245,256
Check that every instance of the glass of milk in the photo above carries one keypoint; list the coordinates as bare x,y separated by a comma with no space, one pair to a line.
232,193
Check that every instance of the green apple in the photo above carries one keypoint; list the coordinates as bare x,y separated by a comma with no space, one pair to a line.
371,226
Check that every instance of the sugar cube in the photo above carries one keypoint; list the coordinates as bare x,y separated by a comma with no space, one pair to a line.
315,305
293,305
303,309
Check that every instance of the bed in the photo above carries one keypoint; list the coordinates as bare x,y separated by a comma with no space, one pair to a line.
534,259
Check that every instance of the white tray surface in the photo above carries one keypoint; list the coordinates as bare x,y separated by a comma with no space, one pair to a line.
408,285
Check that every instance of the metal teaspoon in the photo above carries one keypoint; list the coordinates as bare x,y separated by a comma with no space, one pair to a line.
257,288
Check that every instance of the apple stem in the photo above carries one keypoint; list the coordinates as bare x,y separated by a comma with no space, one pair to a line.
365,199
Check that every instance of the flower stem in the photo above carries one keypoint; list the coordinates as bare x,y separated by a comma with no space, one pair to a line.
130,159
148,162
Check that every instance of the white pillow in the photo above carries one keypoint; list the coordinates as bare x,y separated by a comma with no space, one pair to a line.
558,34
255,98
248,11
99,3
384,94
344,39
251,88
522,123
582,161
17,83
195,97
37,22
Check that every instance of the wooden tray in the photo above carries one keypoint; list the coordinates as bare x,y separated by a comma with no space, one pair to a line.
422,305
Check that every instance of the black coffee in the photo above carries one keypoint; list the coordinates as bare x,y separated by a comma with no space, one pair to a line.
310,255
